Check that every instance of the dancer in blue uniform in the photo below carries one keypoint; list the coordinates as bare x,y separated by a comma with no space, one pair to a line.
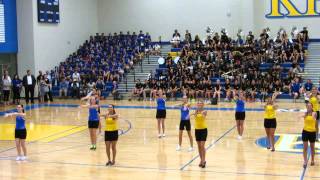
240,114
185,123
20,132
161,113
93,121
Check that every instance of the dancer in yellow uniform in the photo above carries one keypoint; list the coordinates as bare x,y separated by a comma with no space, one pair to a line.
201,132
270,122
309,134
111,134
314,100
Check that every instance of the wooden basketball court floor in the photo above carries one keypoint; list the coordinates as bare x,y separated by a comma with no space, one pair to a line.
58,145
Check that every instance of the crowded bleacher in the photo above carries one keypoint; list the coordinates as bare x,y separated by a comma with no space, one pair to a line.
214,67
219,66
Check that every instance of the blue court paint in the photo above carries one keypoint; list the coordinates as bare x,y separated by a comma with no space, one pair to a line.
208,147
68,148
262,142
294,146
31,142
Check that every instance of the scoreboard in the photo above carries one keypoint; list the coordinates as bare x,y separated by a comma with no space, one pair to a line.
8,26
48,11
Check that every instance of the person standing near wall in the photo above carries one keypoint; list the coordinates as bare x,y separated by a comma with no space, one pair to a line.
6,87
39,78
29,82
16,89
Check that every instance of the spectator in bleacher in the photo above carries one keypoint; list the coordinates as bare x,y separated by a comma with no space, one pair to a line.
147,40
305,34
141,40
208,90
200,89
227,87
49,76
146,88
6,87
43,88
29,82
76,75
187,37
115,91
277,88
99,86
172,90
154,89
137,90
156,50
295,89
253,88
39,77
217,90
63,88
176,38
308,86
91,85
48,90
250,38
75,89
16,88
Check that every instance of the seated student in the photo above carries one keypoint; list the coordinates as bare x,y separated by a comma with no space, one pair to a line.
295,89
227,88
286,86
217,90
277,87
156,50
175,42
235,87
115,91
146,89
172,90
308,86
75,89
208,90
184,88
253,92
191,89
99,86
91,85
63,88
137,90
200,89
154,89
264,90
163,86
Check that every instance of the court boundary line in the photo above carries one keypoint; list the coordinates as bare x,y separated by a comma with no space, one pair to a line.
207,148
163,169
305,169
